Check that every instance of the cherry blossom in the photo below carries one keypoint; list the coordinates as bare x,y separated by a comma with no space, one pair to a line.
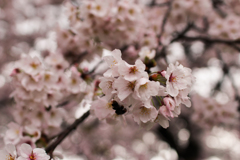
8,153
26,153
178,78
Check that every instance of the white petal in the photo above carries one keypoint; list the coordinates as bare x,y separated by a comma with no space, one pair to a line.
25,150
171,89
11,149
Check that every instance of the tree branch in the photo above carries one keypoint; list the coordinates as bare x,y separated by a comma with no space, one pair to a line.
183,32
165,18
65,133
154,4
207,40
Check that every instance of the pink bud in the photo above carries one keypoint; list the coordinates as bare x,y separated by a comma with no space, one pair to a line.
163,73
170,103
165,111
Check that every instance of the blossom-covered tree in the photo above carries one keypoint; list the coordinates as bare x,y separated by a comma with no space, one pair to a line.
119,79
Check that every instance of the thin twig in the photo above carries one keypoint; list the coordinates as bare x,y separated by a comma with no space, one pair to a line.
65,133
207,40
154,4
183,32
94,68
165,19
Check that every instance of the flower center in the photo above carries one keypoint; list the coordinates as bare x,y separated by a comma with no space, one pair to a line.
143,87
144,111
34,65
172,78
133,69
109,84
131,85
10,157
32,157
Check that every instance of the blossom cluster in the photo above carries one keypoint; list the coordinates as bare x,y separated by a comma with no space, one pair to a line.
25,152
225,28
132,90
41,85
110,24
209,113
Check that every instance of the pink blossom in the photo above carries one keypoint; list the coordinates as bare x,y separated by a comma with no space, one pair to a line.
27,153
113,62
178,78
8,153
169,103
124,87
102,108
146,52
14,133
144,112
144,89
132,72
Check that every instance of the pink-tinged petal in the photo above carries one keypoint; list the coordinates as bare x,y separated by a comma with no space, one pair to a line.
11,149
117,54
169,103
163,110
162,121
140,65
41,154
124,88
25,150
177,111
123,68
39,151
110,60
145,89
108,73
102,108
171,89
187,102
3,154
162,91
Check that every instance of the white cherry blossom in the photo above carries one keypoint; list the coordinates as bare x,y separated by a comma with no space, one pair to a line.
178,78
8,153
146,52
124,87
102,108
13,134
144,112
145,88
113,61
132,72
27,153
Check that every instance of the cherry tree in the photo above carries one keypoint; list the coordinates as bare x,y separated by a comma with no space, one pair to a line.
119,79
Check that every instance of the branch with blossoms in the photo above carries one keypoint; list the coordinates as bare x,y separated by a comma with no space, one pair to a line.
129,89
49,149
165,18
207,40
132,85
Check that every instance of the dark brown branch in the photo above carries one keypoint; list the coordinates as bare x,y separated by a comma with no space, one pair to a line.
165,18
65,133
216,4
183,32
209,41
154,4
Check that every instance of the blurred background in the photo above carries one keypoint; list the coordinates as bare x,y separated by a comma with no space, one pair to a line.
35,27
